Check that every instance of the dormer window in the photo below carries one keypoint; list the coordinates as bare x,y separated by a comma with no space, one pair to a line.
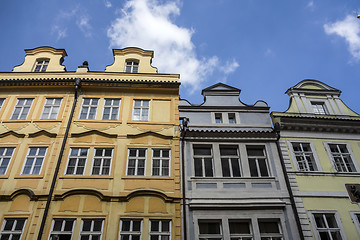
132,66
319,108
41,65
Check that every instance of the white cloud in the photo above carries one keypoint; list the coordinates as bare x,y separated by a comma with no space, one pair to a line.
108,4
60,32
229,67
349,29
66,18
148,24
311,5
83,24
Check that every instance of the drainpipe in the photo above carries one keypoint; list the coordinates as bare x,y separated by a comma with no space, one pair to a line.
46,210
183,128
292,200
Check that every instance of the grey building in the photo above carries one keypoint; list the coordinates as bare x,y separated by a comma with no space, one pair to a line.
233,181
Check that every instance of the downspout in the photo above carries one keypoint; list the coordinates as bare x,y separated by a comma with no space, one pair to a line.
287,181
183,128
46,210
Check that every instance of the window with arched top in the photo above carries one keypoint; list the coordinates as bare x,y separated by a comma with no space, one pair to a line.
41,65
132,66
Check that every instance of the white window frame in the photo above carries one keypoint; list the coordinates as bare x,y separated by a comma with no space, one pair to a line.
337,219
42,63
220,117
211,236
160,233
62,231
225,118
2,100
77,161
26,105
313,152
141,107
228,158
356,220
90,106
112,106
233,116
3,156
36,156
102,159
136,158
12,231
257,160
91,233
351,154
319,107
133,64
270,236
53,108
203,171
161,159
131,233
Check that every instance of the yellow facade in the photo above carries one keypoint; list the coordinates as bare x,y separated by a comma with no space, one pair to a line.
321,150
110,198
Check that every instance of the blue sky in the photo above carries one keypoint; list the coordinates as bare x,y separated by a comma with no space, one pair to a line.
262,47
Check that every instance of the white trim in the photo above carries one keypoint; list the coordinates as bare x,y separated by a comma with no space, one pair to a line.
136,162
91,232
2,158
51,108
131,227
68,159
160,233
202,160
293,157
62,226
355,220
348,147
141,108
12,230
265,151
90,106
111,109
314,226
101,165
161,158
33,164
22,109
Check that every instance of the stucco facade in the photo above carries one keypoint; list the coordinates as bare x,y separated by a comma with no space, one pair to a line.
96,153
234,186
321,149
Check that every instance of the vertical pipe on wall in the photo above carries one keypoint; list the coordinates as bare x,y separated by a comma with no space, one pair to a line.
183,128
46,210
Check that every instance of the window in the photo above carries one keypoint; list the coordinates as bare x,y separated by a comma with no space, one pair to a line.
218,118
132,66
111,109
77,160
327,226
161,162
12,228
341,158
270,229
34,161
102,161
1,102
160,229
89,108
51,108
240,230
136,162
5,157
210,230
257,161
319,108
22,109
41,65
62,229
356,219
130,229
141,110
304,157
232,119
91,229
203,161
230,161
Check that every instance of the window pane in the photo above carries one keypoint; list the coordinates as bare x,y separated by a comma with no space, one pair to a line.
240,227
209,227
269,227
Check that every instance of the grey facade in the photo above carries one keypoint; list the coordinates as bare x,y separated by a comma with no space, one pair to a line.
234,186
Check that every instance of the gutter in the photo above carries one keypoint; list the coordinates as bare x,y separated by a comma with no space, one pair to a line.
287,181
183,129
77,82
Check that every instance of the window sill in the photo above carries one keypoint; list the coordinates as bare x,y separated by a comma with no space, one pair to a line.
150,123
97,120
232,178
147,178
28,177
46,120
318,173
85,177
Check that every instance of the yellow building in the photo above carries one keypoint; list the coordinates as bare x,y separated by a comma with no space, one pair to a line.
89,155
320,144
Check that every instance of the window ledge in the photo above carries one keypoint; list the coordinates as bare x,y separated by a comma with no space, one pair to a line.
232,178
85,177
147,178
97,121
150,123
317,173
29,176
47,120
